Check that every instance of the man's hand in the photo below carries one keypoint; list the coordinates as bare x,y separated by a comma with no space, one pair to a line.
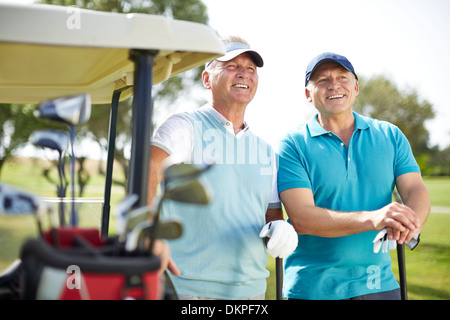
401,222
283,238
161,249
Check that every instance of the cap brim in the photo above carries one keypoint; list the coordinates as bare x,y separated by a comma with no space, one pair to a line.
257,59
323,61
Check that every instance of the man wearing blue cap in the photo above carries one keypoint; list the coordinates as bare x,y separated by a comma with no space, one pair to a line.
222,253
336,177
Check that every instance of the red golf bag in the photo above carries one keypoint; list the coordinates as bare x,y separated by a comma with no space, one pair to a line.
81,266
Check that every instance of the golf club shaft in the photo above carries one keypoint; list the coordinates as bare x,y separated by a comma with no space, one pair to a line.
279,277
73,217
401,260
402,271
61,193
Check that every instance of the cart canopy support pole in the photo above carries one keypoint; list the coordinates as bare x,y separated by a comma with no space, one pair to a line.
141,124
110,160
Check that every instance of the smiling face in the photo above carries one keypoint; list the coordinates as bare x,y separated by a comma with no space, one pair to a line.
332,89
232,82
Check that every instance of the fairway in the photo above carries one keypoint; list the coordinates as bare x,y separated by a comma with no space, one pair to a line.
428,266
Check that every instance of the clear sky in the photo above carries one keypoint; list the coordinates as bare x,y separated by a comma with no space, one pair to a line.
408,41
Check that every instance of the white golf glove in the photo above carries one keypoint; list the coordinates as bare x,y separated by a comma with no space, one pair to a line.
382,240
283,238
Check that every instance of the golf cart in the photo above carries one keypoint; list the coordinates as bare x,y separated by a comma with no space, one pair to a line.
65,56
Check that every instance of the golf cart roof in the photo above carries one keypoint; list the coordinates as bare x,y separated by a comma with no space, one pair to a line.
49,51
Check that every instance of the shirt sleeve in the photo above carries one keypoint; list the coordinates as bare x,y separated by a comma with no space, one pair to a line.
405,161
175,136
292,166
275,202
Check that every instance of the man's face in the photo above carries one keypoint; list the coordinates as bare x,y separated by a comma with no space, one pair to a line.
233,81
332,89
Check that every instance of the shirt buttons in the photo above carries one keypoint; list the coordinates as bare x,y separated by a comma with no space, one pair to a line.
228,124
342,144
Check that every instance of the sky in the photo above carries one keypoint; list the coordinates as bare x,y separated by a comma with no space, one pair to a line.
407,41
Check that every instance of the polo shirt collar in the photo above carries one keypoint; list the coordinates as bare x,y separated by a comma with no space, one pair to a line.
316,129
228,125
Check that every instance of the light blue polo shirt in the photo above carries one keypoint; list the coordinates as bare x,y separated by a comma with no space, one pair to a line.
360,177
220,252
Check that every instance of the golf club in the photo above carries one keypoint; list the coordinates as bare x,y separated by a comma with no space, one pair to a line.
72,110
184,170
59,141
279,278
121,213
15,202
138,219
401,260
165,230
190,191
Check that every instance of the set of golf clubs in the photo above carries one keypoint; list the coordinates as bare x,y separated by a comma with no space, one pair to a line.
73,111
137,228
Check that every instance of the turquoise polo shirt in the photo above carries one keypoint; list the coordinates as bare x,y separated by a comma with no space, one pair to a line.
354,178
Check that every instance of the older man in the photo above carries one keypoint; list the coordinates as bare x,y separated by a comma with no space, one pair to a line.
336,178
222,254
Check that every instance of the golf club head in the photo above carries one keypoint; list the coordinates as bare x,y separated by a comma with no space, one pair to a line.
164,230
184,170
168,230
53,139
16,202
121,211
192,191
137,216
73,110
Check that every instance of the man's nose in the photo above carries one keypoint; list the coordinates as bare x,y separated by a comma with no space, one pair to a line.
333,84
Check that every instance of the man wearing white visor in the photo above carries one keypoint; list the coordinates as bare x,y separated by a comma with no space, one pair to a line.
223,251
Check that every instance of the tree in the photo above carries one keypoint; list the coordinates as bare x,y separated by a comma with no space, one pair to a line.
17,122
379,98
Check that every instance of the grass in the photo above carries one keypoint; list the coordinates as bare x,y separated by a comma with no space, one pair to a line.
428,266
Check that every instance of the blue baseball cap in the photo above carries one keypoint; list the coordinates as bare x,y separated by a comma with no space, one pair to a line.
233,49
324,58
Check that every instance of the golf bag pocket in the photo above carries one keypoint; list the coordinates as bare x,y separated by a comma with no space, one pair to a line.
87,273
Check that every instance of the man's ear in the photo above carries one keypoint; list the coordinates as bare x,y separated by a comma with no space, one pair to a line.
308,95
356,86
205,79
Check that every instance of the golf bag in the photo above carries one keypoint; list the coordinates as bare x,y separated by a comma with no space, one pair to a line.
81,266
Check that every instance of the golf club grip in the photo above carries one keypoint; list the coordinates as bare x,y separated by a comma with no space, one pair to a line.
402,271
401,259
279,277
